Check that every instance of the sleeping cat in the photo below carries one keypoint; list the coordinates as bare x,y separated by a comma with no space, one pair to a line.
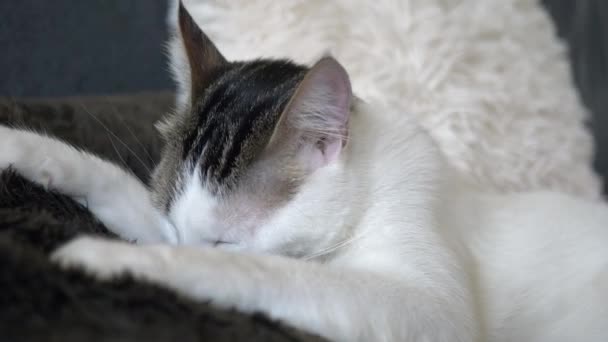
336,216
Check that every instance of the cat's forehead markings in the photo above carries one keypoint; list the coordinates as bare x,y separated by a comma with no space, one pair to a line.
236,116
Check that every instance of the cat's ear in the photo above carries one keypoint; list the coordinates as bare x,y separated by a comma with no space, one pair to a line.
203,57
318,114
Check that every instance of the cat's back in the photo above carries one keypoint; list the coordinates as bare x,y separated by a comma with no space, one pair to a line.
542,265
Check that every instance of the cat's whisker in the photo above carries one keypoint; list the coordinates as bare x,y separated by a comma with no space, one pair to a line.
137,140
330,249
336,246
122,160
117,137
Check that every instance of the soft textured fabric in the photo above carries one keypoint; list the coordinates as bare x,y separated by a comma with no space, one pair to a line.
488,78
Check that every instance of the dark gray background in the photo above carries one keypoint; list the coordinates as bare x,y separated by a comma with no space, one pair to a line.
69,47
583,24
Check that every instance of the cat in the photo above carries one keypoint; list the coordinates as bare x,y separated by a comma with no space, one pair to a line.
279,191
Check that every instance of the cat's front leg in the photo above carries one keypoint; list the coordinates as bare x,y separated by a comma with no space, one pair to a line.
116,197
19,151
338,303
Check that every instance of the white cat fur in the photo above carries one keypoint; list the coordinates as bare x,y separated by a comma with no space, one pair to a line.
426,259
418,255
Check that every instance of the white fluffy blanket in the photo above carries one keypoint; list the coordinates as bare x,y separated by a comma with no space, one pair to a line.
488,78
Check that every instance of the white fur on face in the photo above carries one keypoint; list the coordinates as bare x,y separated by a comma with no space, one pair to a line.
191,214
249,220
204,218
315,219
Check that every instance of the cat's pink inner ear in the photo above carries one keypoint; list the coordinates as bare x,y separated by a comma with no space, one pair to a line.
320,109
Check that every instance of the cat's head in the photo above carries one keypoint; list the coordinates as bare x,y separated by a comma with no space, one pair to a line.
254,156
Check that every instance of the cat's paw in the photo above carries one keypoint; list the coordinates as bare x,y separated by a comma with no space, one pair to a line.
21,151
40,159
104,258
45,173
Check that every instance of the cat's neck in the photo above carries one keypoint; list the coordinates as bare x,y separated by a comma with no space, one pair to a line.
395,176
